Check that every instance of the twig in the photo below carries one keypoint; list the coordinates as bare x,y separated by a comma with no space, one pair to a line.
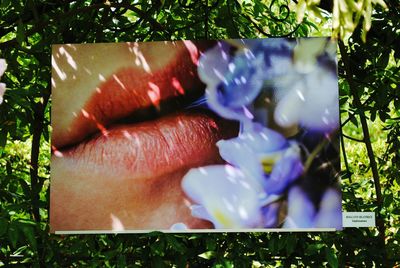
346,162
353,139
232,19
314,154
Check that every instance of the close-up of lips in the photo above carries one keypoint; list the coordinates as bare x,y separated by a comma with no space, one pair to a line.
123,136
185,135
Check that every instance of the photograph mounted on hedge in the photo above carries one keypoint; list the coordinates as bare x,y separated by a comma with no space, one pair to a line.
184,136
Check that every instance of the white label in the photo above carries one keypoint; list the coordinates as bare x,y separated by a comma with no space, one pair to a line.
358,219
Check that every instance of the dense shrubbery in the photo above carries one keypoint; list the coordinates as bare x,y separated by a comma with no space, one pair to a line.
370,112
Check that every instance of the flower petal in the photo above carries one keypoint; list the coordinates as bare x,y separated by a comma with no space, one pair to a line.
286,170
200,212
287,111
270,215
321,109
262,140
330,211
242,156
225,193
243,81
249,149
213,64
301,210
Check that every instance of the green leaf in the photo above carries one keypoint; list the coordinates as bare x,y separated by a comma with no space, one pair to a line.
354,120
158,247
25,187
121,261
5,3
13,234
20,32
207,255
291,244
3,226
29,233
211,244
273,244
283,241
157,262
178,246
3,138
331,257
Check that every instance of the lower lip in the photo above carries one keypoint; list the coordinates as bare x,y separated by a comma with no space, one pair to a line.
154,148
136,170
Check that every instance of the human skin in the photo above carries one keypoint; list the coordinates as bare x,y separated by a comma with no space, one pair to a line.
113,175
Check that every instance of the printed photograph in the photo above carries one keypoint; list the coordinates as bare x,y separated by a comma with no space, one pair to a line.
179,136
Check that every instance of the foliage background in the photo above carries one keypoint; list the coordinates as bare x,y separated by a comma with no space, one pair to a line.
369,44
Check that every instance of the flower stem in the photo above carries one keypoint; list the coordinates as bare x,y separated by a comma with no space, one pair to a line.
314,154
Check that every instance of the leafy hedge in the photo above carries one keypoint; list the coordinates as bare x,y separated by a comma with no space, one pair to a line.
370,112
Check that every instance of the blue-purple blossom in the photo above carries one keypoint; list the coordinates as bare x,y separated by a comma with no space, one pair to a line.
263,164
213,64
302,213
265,156
330,211
271,48
232,82
270,215
223,195
301,210
243,82
306,91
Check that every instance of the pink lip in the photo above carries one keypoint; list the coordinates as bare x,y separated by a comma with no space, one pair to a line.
154,148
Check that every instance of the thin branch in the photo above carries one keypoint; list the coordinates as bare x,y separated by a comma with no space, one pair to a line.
256,26
206,15
314,154
346,162
37,184
353,139
232,18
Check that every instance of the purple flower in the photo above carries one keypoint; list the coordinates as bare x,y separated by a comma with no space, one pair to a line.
265,156
303,214
330,211
301,211
263,164
213,64
232,82
306,90
311,100
270,215
224,196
